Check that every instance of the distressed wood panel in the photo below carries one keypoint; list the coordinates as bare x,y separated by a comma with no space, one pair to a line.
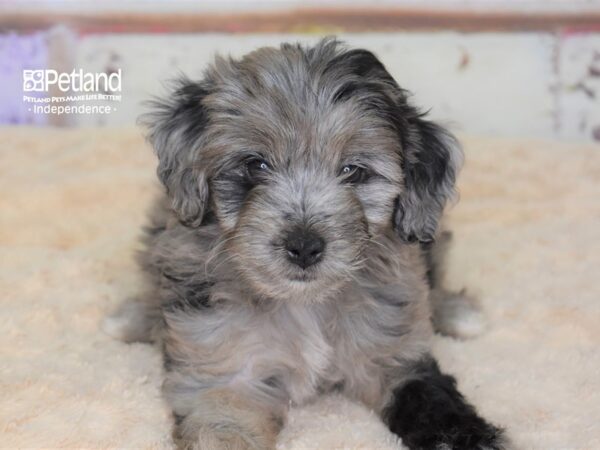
579,89
350,19
479,83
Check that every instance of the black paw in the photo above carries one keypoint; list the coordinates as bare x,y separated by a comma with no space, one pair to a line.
430,414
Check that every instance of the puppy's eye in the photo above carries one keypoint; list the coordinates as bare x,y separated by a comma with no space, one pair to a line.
353,174
257,167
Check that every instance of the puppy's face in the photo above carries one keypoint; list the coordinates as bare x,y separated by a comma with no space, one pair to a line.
299,185
302,155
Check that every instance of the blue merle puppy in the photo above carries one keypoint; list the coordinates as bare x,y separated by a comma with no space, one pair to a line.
292,252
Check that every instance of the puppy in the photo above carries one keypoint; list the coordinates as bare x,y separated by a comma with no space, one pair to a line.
288,256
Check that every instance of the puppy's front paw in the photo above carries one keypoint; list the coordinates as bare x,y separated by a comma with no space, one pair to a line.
461,433
429,413
439,419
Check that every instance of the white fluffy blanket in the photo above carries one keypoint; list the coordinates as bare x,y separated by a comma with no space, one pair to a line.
527,242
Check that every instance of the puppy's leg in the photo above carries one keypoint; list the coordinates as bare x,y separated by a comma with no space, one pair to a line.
223,419
456,314
429,413
134,321
139,319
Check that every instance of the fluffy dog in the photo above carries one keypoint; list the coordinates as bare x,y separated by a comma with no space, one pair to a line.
289,254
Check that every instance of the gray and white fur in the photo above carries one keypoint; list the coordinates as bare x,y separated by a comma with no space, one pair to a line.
288,256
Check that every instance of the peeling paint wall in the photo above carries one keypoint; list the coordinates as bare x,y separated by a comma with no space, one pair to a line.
501,84
227,6
578,94
505,84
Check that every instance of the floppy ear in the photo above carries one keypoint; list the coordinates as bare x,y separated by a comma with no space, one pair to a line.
431,156
431,159
176,126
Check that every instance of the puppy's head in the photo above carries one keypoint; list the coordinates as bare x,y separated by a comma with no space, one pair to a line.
301,155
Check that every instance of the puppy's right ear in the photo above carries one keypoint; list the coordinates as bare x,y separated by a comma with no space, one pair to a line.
176,125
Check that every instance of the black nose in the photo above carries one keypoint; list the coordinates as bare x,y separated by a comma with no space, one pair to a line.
304,248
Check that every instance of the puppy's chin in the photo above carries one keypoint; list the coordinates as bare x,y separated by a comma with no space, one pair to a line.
294,274
302,277
306,292
299,286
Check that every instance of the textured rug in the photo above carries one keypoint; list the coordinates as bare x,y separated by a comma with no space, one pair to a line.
527,242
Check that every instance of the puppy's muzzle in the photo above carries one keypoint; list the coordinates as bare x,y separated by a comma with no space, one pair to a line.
304,247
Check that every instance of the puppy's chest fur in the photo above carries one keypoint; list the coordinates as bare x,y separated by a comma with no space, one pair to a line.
218,334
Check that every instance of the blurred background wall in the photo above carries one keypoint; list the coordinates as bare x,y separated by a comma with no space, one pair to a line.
508,68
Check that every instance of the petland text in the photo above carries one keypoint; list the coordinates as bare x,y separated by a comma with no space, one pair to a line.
75,81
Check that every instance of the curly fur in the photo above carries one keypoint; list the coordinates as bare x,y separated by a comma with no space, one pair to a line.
245,333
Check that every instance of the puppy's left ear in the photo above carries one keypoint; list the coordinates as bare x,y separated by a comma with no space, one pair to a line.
431,156
431,159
